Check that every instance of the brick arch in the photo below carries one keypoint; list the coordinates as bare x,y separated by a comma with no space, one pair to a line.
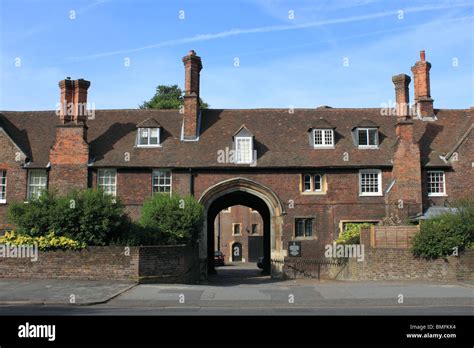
218,193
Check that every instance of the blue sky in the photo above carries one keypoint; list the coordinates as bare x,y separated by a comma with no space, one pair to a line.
283,61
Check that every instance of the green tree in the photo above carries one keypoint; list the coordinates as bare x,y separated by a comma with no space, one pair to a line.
168,97
172,220
447,233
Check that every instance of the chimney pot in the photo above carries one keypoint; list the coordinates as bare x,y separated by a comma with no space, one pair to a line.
422,55
73,100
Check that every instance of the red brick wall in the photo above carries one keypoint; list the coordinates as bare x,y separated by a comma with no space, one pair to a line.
399,264
177,264
69,157
11,160
244,216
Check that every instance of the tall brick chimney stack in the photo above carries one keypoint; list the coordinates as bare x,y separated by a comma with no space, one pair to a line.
73,100
69,155
421,77
405,196
402,96
192,66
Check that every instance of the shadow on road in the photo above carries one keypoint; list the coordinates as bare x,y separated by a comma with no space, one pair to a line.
240,274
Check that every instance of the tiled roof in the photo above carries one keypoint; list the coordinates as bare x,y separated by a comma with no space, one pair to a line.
281,137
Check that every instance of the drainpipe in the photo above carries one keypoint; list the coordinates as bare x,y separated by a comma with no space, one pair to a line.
191,182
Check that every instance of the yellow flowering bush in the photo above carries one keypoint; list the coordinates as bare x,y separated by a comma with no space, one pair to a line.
47,242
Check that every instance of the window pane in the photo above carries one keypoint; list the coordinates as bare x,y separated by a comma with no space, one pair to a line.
436,183
244,151
254,228
3,185
328,137
107,181
318,137
299,230
362,137
369,182
317,182
372,137
308,230
162,181
236,229
143,139
37,183
307,183
154,136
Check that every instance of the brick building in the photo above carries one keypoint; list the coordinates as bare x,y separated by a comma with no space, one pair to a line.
239,234
306,171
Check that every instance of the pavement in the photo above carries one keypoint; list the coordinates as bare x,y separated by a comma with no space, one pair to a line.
237,289
59,292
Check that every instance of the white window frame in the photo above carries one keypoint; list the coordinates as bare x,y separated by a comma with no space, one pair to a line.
100,175
240,229
378,172
40,185
238,154
3,186
155,174
322,188
367,129
435,194
324,142
149,130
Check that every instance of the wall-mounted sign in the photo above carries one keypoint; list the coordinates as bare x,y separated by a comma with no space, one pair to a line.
294,249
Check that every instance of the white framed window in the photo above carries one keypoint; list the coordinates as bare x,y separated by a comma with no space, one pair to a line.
244,149
107,181
148,137
303,227
162,181
368,137
236,229
323,137
436,183
313,183
3,186
370,182
37,182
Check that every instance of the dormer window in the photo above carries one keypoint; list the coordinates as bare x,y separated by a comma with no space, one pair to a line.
321,134
244,146
244,149
368,137
148,133
323,137
148,137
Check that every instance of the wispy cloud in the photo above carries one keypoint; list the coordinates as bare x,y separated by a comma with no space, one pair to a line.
269,29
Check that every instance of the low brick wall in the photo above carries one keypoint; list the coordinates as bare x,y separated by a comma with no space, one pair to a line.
169,264
152,264
399,264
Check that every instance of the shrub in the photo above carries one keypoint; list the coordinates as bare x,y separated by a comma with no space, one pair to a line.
351,233
172,220
50,241
87,216
442,235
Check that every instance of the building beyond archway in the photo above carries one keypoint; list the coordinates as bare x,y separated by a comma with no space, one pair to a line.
242,191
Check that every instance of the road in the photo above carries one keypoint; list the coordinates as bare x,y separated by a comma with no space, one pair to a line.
243,290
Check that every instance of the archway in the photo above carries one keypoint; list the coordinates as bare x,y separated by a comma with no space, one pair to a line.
242,191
